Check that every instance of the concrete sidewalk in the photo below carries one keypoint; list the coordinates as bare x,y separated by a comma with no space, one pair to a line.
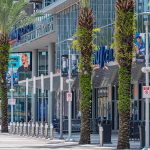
95,140
16,142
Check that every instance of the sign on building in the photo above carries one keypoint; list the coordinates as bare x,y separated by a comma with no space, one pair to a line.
69,96
102,56
146,91
21,66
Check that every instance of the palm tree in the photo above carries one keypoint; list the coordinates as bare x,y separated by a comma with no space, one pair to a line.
11,12
84,43
124,31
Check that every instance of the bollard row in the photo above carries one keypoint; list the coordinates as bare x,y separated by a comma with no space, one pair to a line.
31,129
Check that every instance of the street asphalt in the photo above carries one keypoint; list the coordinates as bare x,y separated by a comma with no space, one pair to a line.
16,142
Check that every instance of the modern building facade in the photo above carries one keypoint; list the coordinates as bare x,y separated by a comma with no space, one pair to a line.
46,42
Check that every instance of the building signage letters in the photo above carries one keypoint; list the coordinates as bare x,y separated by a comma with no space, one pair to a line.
103,56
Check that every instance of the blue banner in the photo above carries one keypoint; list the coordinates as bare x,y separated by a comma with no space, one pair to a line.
139,47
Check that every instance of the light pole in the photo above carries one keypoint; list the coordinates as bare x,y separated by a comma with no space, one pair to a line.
61,108
147,84
69,42
27,91
34,97
50,120
42,100
12,96
146,70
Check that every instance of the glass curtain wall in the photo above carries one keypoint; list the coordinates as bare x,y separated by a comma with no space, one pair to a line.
42,69
48,2
19,107
104,13
67,21
142,6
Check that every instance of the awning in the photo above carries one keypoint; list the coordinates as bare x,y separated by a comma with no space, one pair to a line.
104,77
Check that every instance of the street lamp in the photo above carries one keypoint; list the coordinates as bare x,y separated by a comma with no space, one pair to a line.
12,96
146,70
61,108
42,100
34,95
27,91
69,81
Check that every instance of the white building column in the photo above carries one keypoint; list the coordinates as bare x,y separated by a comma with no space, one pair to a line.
51,57
34,73
34,62
51,68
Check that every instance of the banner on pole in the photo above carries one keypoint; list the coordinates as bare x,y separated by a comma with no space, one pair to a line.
11,101
69,96
64,65
146,91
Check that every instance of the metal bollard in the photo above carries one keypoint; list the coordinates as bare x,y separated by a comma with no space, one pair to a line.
11,128
101,135
46,130
51,132
28,128
17,128
42,129
37,129
25,129
14,127
33,129
21,128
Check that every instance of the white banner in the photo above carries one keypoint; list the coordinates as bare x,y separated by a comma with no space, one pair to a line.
146,91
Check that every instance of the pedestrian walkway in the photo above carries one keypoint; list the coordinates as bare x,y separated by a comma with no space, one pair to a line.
16,142
135,145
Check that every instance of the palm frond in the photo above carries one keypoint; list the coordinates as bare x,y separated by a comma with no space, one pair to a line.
85,3
12,14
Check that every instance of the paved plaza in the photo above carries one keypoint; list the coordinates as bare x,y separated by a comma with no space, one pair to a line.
15,142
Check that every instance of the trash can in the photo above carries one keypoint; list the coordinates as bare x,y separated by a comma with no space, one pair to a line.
107,128
107,132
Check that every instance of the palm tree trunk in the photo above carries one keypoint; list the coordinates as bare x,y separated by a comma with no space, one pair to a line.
4,58
124,101
85,88
124,31
4,103
85,40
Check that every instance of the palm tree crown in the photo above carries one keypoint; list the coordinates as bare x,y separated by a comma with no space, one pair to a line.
11,12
